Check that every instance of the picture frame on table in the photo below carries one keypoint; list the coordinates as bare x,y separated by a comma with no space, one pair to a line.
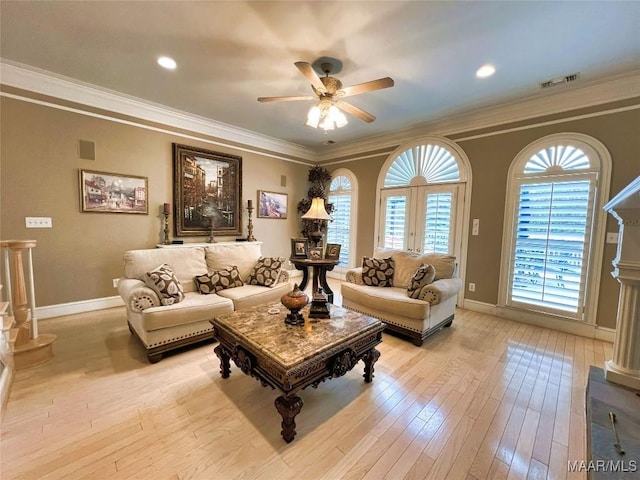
207,192
299,247
333,251
315,253
103,192
272,204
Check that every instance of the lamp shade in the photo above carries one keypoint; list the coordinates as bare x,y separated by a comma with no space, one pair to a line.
317,210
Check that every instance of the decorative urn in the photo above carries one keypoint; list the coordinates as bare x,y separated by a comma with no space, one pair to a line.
295,300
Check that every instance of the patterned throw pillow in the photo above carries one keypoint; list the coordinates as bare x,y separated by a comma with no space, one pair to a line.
266,271
217,280
424,275
377,272
162,280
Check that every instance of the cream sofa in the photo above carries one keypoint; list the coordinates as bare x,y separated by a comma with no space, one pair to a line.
416,318
161,328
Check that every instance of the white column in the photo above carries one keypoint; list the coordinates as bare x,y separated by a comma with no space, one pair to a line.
624,367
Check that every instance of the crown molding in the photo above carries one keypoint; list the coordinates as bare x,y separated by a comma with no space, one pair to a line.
561,99
39,81
620,87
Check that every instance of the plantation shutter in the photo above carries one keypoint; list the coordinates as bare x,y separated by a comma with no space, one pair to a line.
437,225
339,229
553,225
395,221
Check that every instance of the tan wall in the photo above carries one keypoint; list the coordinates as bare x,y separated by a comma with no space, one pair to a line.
366,171
78,258
490,158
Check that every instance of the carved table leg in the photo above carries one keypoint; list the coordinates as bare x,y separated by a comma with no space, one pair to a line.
305,276
288,408
224,356
369,359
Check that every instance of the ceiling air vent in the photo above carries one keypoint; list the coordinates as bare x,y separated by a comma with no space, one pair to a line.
560,80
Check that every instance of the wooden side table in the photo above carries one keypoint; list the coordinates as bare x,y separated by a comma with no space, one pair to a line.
320,268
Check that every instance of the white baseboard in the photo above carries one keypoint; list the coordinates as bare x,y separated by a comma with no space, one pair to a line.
541,320
479,307
71,308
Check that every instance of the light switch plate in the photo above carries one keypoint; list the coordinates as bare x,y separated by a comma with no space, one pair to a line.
475,229
38,222
612,237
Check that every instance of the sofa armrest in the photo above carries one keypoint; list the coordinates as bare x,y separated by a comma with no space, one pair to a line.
283,277
440,290
355,276
136,295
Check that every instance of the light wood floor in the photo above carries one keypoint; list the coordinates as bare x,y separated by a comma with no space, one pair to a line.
485,399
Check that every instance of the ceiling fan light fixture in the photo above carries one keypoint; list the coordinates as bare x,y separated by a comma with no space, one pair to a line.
313,117
326,116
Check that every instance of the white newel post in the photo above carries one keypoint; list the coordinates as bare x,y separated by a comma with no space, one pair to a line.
29,347
624,368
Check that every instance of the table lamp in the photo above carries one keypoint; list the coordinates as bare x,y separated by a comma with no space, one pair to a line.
316,213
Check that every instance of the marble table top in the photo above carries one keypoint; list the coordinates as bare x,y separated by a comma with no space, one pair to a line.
264,329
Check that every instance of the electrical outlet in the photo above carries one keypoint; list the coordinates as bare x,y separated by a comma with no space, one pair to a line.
472,287
115,282
38,222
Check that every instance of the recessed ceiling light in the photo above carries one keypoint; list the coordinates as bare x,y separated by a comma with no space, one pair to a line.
167,62
485,71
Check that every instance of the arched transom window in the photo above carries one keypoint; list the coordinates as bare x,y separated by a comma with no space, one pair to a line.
420,193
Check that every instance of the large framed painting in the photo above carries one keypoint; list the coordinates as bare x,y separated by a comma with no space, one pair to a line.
103,192
207,192
272,204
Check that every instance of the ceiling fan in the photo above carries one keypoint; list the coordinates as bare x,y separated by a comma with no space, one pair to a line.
330,93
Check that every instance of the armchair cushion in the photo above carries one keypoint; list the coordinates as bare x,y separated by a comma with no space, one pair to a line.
422,277
166,285
266,271
217,280
377,272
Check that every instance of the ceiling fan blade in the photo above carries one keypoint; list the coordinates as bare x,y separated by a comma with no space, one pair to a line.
284,99
355,111
378,84
312,76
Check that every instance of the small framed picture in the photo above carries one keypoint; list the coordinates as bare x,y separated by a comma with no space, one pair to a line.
299,247
333,251
272,204
315,253
104,192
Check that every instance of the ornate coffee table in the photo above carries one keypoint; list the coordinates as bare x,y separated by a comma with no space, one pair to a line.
291,358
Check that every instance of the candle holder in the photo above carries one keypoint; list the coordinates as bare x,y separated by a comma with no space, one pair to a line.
250,237
166,229
166,211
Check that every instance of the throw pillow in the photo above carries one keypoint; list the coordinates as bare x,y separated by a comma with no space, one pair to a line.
217,280
377,272
424,275
163,281
266,271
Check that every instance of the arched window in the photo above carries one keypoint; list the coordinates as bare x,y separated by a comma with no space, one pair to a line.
343,195
420,197
553,209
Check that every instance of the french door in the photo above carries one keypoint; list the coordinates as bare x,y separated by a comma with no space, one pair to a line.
421,219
